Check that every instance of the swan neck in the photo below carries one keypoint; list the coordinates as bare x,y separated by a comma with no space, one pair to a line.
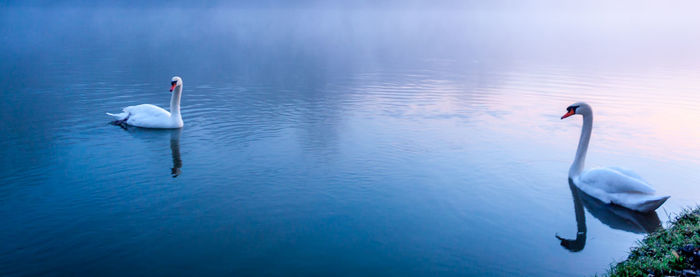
175,101
580,160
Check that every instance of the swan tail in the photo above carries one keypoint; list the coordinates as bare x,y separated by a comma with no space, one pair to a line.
651,204
119,116
121,119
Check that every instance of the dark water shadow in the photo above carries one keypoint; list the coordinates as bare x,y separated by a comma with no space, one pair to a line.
616,217
175,152
154,135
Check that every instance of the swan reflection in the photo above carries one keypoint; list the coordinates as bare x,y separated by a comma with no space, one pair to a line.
175,151
156,137
614,216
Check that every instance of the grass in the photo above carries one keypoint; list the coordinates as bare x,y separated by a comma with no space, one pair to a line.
658,254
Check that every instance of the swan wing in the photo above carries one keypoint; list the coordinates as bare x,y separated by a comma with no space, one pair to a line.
627,172
148,116
613,180
611,185
641,202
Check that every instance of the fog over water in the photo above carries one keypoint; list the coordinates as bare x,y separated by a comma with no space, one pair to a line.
338,137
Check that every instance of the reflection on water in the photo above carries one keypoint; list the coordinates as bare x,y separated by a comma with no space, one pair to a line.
614,216
154,136
579,243
175,149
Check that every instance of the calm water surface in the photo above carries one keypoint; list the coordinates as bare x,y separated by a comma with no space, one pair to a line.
331,141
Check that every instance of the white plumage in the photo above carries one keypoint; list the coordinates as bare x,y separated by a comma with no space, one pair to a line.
151,116
612,184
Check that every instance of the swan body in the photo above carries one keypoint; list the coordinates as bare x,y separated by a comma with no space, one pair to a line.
152,116
611,185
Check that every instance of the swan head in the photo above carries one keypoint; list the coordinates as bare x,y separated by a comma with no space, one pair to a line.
175,82
578,108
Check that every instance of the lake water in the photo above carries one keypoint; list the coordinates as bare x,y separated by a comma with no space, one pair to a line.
337,140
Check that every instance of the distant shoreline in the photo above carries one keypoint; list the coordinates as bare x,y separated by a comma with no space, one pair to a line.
671,251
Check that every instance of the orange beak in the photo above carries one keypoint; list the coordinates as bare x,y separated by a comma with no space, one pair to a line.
570,113
173,87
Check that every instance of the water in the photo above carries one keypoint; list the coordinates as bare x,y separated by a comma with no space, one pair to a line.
344,141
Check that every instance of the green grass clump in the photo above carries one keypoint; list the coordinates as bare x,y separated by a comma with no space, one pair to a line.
658,254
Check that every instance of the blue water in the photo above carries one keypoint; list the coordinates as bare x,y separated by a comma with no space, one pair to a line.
337,141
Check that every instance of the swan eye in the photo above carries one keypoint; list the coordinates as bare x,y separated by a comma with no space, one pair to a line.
570,108
173,83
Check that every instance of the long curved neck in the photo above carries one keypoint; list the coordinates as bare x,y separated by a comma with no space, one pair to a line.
580,159
175,102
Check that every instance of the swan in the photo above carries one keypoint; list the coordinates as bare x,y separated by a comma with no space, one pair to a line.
611,184
151,116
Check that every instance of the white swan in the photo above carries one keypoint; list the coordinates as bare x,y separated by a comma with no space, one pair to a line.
612,184
151,116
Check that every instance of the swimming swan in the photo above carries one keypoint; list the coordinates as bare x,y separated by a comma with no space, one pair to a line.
610,185
151,116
